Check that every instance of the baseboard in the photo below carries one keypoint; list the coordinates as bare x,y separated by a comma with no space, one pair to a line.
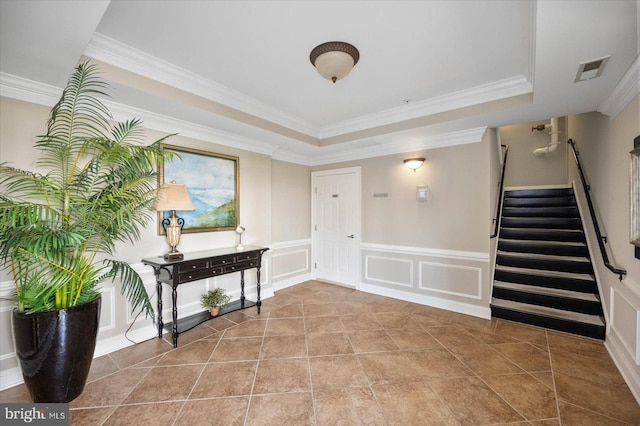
298,279
627,366
449,305
10,378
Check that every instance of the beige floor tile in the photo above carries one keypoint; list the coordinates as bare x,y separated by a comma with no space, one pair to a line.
437,363
251,328
140,352
616,402
396,320
321,298
157,414
282,375
225,379
319,310
525,355
388,367
453,335
347,406
484,360
281,299
598,370
337,371
194,353
330,324
89,416
15,394
281,409
372,341
202,331
165,384
572,415
110,390
577,345
214,412
247,348
473,402
527,395
284,326
101,367
291,346
328,344
413,404
521,332
360,322
413,339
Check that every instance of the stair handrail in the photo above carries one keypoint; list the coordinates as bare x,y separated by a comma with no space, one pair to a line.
599,236
496,220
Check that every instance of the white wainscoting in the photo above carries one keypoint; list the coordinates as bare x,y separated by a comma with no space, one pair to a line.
291,263
623,339
447,279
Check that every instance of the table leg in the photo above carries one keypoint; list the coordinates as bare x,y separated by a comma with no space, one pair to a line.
258,302
174,328
159,293
242,288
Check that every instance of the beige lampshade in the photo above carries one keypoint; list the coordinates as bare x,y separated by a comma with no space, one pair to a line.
173,196
334,59
414,163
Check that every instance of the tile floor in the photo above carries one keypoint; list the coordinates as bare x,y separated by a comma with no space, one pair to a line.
320,354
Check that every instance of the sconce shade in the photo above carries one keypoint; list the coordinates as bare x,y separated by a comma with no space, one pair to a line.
414,163
174,196
334,59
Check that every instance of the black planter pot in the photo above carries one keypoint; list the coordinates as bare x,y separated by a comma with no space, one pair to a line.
55,350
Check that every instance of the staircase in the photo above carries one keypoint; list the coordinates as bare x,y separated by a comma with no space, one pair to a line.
543,273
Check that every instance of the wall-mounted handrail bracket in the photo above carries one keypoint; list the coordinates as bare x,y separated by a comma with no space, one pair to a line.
601,238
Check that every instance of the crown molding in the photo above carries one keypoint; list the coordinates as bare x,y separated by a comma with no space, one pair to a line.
497,90
22,89
43,94
128,58
26,90
625,91
442,140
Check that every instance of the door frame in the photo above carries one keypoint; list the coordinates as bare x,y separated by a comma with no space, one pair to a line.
357,170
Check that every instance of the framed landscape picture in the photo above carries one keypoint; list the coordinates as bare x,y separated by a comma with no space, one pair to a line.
213,184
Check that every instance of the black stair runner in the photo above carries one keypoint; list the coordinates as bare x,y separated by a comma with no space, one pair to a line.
543,272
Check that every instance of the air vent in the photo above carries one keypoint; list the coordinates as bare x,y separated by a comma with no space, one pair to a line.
591,69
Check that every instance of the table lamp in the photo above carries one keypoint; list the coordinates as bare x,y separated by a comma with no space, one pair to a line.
171,197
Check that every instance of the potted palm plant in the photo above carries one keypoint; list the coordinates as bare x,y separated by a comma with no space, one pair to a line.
94,186
215,299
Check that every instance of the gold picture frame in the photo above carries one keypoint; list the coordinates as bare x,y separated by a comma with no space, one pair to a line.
213,183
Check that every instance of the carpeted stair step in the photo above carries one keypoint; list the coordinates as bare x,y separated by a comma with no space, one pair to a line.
567,211
575,235
542,222
553,279
586,303
539,202
579,265
558,248
539,192
556,319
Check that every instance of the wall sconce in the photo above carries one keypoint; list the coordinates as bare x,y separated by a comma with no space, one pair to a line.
414,163
240,229
171,197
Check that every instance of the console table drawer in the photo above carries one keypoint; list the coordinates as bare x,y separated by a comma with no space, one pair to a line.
223,261
192,266
247,256
240,266
193,275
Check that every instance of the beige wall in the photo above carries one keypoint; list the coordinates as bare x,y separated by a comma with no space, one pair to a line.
604,146
291,199
524,168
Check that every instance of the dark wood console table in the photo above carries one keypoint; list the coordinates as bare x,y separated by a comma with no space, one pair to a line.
197,266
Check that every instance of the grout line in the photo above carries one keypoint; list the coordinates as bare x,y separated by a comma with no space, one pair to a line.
255,375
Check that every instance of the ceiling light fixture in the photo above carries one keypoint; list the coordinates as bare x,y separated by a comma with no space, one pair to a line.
414,163
334,59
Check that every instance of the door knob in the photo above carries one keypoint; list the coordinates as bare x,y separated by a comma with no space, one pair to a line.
351,236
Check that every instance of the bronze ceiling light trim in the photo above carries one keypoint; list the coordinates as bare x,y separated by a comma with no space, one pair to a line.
334,59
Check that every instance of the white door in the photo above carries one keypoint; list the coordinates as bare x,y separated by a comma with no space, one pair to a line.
336,225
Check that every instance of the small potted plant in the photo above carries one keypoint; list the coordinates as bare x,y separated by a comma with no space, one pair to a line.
215,299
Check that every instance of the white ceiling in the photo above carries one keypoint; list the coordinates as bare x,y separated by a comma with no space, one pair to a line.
429,70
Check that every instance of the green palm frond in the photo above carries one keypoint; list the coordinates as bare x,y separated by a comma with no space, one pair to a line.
97,188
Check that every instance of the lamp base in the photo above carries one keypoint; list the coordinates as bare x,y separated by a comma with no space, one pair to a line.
174,256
